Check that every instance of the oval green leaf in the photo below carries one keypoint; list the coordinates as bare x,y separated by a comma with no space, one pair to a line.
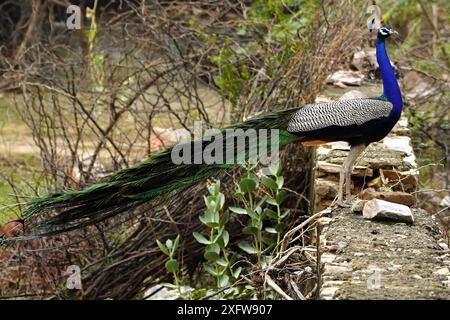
201,238
247,247
172,265
247,185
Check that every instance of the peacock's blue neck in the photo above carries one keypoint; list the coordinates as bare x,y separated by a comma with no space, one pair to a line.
391,89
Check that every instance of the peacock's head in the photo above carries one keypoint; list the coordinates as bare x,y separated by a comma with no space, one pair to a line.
384,31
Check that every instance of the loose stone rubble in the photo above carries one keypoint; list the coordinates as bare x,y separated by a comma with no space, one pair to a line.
376,209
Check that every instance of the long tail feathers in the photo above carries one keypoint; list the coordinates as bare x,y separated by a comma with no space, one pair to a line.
141,183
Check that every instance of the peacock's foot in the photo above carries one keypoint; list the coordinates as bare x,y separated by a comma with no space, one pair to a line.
344,204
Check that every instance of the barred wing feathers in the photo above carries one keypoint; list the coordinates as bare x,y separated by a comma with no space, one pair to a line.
343,113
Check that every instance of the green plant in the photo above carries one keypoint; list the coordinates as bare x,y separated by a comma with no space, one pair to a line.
267,209
96,59
260,44
261,197
276,198
218,263
284,19
233,72
169,249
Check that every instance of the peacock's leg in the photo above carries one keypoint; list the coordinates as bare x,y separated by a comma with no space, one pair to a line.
348,184
340,201
345,174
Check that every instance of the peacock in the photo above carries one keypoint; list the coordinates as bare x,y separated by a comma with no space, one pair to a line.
356,121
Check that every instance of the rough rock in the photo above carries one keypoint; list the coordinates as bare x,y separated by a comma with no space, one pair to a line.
359,171
375,157
340,84
406,256
446,283
353,94
398,143
359,60
407,180
333,269
323,221
371,56
365,58
358,206
390,196
441,245
322,98
401,128
352,78
445,202
328,293
326,187
421,90
442,271
384,210
340,145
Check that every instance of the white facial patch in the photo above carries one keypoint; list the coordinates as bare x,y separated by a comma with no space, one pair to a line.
384,31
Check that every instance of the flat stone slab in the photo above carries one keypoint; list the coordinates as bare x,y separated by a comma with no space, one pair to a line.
359,171
399,197
348,77
408,180
377,209
376,156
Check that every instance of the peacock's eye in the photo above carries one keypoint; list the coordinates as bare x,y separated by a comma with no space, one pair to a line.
384,31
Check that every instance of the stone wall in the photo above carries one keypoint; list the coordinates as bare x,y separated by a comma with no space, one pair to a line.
379,259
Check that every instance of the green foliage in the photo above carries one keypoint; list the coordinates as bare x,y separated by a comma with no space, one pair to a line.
96,58
169,249
427,123
263,228
285,18
266,210
267,24
233,72
424,49
218,262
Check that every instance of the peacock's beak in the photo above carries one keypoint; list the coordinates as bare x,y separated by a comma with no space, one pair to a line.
395,33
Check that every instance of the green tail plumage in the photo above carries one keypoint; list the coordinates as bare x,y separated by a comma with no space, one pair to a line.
139,184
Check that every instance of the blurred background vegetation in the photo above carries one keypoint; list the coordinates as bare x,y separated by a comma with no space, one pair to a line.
76,105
